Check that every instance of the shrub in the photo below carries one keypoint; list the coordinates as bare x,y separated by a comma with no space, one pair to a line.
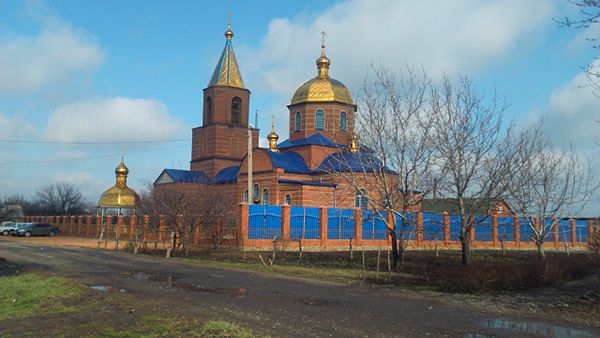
594,241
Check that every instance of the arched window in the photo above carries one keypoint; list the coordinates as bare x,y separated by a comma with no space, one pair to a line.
256,194
265,197
208,110
361,200
298,121
320,120
236,111
246,196
343,121
288,199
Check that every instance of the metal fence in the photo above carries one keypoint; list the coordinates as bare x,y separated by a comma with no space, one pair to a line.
264,222
340,223
304,223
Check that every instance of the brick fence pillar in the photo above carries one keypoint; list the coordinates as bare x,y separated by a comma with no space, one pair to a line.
120,226
133,221
196,239
323,225
446,228
495,241
98,225
358,228
146,225
285,222
108,225
555,238
243,221
590,228
161,227
73,222
573,231
79,225
420,228
88,225
517,230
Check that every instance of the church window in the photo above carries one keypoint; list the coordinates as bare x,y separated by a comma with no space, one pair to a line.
298,121
236,111
246,196
256,194
265,197
209,109
343,121
320,120
288,199
361,200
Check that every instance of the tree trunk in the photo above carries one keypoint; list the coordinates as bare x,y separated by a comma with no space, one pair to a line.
394,244
401,251
541,253
465,249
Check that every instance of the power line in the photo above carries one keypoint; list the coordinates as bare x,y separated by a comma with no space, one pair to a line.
94,143
95,157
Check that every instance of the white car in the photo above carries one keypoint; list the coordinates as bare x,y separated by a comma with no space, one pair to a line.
6,228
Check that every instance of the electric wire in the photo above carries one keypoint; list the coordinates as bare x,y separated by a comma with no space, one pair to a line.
92,142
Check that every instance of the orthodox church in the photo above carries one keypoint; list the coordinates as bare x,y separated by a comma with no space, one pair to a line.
300,171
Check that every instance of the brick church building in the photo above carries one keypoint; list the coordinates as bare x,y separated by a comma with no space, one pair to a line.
299,171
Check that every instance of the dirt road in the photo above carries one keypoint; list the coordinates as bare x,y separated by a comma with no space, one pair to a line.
281,306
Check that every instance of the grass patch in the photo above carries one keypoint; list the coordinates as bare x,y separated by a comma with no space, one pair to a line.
153,326
30,294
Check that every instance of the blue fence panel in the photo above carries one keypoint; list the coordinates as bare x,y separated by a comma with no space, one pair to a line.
410,231
564,230
340,223
433,227
264,222
304,223
454,227
373,225
506,229
525,231
581,231
483,228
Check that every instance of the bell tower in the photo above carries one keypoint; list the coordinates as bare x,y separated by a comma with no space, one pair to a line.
222,139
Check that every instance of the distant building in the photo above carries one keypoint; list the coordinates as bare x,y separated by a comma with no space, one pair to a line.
497,207
300,171
11,212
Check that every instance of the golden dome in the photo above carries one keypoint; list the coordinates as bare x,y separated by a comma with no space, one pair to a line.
122,169
120,195
116,197
272,136
322,88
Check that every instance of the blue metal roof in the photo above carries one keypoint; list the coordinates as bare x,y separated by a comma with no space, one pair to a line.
316,139
350,161
227,175
187,176
290,161
317,184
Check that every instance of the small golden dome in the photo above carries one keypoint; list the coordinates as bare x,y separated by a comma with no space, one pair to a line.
120,195
122,169
322,88
229,33
272,136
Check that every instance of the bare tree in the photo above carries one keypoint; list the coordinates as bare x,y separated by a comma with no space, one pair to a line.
589,14
549,183
394,170
473,148
60,198
214,214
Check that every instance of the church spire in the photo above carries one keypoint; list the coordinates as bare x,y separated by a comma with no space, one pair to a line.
323,61
226,72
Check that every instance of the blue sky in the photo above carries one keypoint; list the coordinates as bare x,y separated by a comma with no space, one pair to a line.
103,71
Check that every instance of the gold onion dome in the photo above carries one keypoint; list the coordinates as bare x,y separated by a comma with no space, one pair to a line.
322,88
120,195
273,137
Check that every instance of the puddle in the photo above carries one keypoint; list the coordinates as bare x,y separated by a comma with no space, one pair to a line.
239,292
107,288
537,328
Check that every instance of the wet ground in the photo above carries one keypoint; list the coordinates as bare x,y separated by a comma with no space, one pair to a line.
284,306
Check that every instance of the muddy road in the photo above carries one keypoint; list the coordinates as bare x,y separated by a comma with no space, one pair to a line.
282,306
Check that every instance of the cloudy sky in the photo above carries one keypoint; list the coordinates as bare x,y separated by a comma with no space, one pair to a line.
96,74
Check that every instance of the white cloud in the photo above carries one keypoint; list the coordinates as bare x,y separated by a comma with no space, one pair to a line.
113,119
572,114
58,54
451,37
15,128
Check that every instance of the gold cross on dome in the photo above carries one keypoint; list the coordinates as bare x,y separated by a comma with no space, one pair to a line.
228,18
323,40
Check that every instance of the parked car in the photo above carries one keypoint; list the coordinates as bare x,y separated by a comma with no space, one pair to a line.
7,228
36,229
